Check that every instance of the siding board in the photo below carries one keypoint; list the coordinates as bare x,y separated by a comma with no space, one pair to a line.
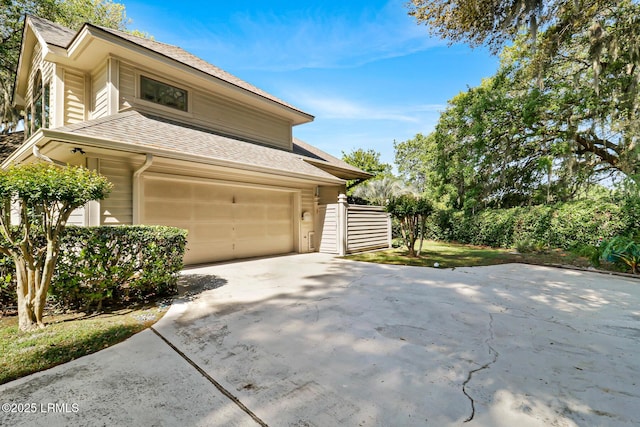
99,93
118,207
74,97
217,113
127,85
367,228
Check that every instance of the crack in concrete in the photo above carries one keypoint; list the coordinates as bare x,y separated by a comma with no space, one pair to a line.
495,354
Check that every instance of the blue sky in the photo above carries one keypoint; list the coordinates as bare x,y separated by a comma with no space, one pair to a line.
367,72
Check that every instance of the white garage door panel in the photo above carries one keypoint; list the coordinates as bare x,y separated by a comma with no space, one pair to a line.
224,222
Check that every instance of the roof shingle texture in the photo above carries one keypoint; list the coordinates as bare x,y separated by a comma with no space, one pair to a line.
147,131
9,143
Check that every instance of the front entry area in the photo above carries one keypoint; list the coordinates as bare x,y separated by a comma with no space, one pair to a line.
225,221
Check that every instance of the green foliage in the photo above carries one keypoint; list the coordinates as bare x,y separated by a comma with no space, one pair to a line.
368,161
8,295
551,122
411,212
112,265
622,250
41,185
564,225
45,195
379,191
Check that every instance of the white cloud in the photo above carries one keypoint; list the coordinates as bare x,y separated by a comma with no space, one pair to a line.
335,107
309,38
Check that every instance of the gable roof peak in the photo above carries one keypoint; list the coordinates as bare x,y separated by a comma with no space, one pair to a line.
61,36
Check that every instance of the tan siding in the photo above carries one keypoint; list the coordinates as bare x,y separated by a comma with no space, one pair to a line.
329,195
214,112
117,208
47,71
328,217
228,117
74,97
77,217
99,93
306,205
36,63
367,228
127,85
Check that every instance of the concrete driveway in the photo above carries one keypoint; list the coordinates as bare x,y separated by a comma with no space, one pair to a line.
310,340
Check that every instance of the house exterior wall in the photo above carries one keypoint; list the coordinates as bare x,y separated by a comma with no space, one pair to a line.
208,110
36,65
99,82
75,99
99,92
328,195
307,226
118,207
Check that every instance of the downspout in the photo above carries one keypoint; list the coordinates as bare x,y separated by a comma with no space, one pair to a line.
137,189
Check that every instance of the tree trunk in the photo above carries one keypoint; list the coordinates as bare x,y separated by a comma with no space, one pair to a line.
27,319
421,236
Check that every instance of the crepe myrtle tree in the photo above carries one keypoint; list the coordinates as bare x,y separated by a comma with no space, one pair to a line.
411,212
43,196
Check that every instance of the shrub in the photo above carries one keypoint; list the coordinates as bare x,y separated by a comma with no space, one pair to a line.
564,225
8,296
623,251
44,196
115,264
411,212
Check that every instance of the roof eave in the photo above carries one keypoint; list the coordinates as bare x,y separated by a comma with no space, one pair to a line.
338,171
43,136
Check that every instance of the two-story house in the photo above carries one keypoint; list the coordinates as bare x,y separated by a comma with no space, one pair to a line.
185,143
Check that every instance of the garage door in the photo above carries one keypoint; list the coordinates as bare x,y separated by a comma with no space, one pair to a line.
224,221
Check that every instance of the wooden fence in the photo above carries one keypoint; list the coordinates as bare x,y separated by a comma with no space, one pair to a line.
353,228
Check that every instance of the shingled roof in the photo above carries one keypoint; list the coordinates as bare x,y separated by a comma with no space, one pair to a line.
150,132
52,33
9,143
58,35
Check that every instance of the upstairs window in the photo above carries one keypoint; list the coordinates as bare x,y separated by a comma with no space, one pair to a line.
37,102
163,94
38,111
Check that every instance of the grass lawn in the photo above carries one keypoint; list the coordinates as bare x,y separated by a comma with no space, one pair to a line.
67,337
452,255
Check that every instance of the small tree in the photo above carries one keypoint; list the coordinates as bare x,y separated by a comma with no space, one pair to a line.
412,213
45,195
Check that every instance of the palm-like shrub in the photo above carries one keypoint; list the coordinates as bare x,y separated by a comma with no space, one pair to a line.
624,251
380,191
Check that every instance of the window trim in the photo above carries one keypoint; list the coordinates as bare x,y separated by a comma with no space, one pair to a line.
40,97
187,91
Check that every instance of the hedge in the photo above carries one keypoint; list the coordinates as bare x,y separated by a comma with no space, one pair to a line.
109,265
564,225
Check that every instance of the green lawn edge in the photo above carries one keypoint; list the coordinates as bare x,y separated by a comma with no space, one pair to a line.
67,337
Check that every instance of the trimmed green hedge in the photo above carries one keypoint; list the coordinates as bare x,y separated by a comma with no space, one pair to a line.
110,265
564,225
